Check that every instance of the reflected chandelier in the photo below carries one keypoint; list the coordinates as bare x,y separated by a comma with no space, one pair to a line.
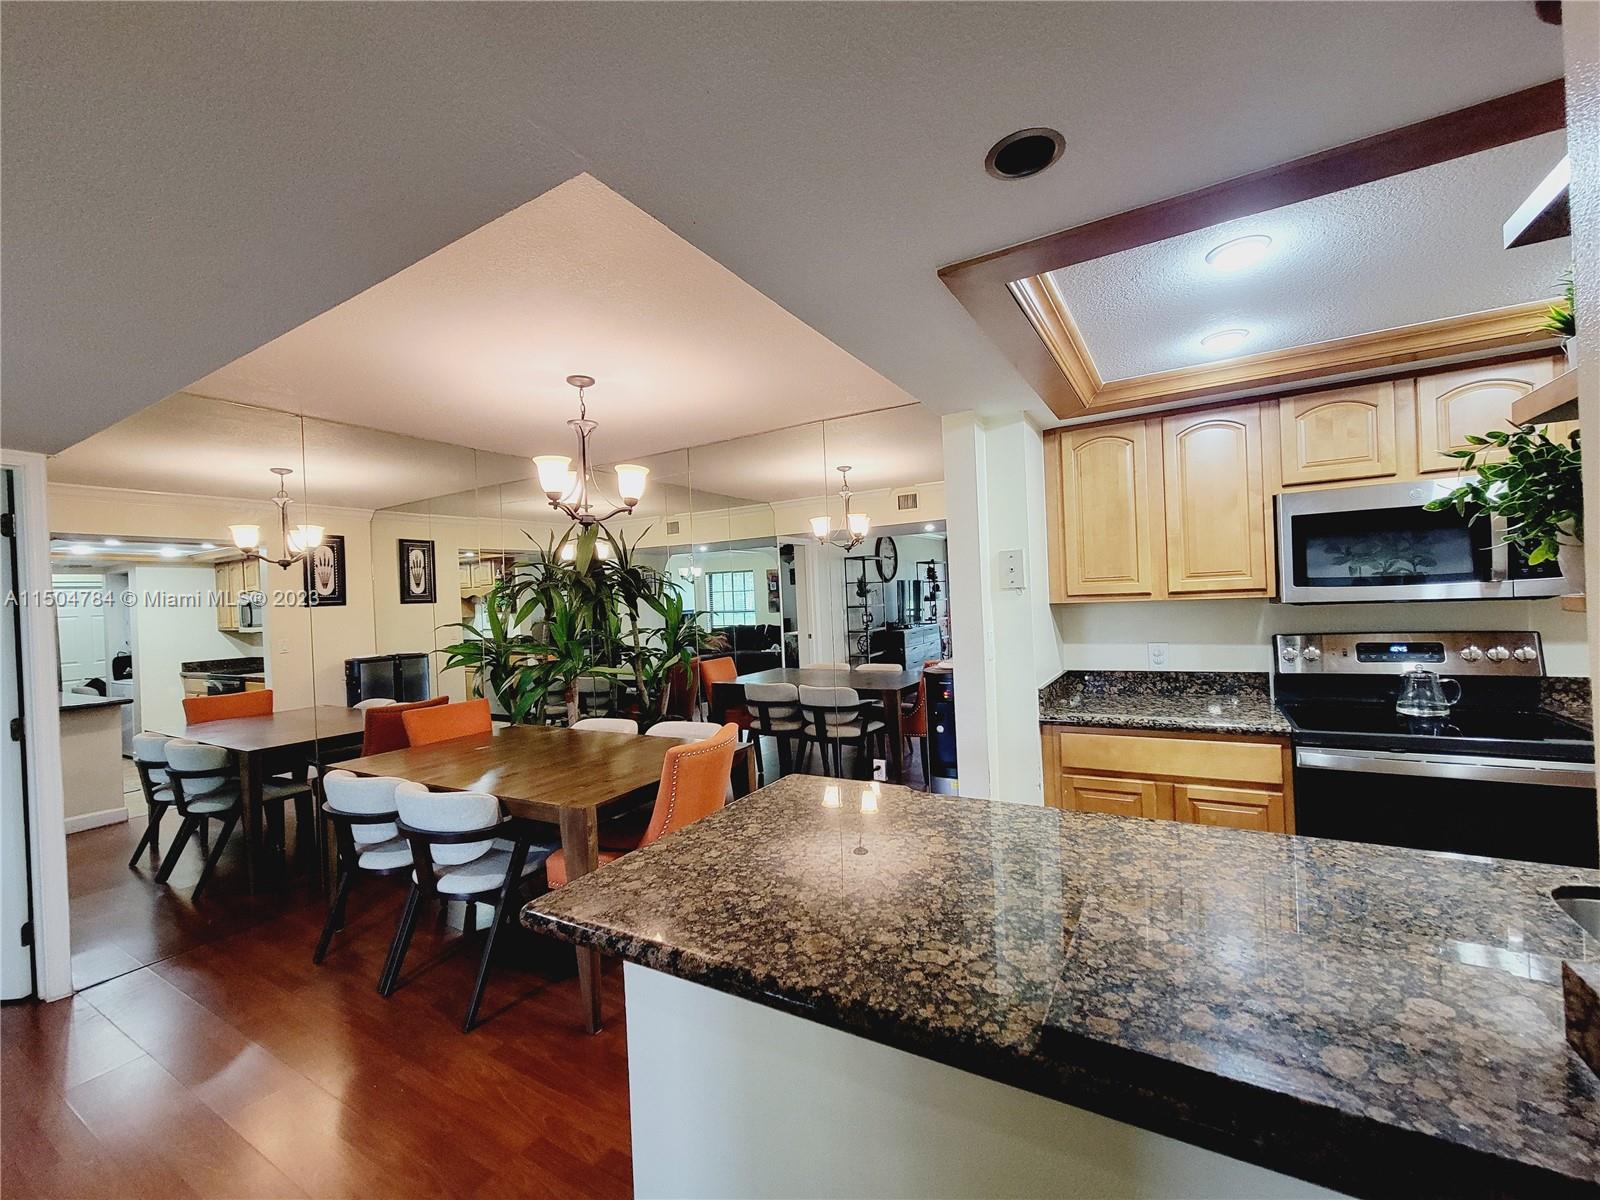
297,542
856,525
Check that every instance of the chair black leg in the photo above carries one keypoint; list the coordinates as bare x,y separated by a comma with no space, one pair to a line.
927,763
185,832
402,941
228,823
785,755
335,919
152,825
519,856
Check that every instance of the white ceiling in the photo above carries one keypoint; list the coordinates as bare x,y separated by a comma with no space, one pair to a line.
197,446
1412,248
473,344
184,183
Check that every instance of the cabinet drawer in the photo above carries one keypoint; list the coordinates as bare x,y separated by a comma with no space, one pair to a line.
1231,808
1119,797
1181,758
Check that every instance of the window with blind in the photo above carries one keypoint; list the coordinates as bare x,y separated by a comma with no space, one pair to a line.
731,597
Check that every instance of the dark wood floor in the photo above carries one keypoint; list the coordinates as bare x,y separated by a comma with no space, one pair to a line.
225,1064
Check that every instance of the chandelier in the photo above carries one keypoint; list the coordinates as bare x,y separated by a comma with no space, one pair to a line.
297,542
856,525
568,490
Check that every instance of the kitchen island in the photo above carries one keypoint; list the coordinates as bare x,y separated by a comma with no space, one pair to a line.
919,994
91,761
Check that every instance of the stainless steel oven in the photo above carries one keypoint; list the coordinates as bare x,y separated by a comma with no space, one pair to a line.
1342,545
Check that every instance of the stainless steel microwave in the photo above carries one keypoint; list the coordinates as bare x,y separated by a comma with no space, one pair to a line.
1346,545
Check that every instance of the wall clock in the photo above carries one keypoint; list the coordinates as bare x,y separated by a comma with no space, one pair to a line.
888,558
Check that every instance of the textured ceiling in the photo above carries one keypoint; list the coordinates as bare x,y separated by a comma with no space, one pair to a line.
1413,248
184,183
472,345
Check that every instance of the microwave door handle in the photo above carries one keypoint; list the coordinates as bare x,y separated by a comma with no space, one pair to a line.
1499,551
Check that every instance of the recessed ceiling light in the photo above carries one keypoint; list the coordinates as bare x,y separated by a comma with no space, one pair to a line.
1240,252
702,549
1023,153
927,529
469,554
1224,340
170,552
208,545
80,548
113,542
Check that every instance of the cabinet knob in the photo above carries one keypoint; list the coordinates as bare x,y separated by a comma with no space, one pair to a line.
1471,654
1498,654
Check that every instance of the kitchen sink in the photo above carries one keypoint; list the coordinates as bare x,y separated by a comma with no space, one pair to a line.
1582,904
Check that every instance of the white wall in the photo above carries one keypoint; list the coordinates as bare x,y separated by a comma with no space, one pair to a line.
1234,635
1004,641
167,635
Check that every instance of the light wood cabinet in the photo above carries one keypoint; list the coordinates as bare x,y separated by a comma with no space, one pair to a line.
230,580
1216,506
1231,808
1332,436
1473,400
1234,782
1119,797
1110,493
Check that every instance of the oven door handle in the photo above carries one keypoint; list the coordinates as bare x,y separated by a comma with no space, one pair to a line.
1449,766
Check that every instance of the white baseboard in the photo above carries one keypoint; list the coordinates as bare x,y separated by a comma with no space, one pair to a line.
94,820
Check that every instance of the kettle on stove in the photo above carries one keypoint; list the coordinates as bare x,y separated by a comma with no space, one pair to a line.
1422,694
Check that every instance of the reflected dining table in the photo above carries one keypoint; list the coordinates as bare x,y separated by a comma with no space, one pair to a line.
562,777
887,687
288,739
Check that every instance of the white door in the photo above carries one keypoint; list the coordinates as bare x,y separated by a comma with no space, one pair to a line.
16,959
80,629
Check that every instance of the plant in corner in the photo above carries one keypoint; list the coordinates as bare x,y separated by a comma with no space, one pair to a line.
1537,488
1562,319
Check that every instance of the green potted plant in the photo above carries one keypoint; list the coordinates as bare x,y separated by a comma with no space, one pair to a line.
1561,319
1537,488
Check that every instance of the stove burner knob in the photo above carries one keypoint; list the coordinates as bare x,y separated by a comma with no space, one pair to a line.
1471,654
1311,654
1288,654
1497,654
1525,654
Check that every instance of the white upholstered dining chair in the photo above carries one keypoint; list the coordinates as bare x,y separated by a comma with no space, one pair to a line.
607,725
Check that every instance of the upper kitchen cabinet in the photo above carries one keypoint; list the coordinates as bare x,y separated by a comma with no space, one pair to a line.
1216,502
1334,436
1107,478
1453,404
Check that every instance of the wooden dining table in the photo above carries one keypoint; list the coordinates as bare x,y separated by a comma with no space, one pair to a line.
887,687
288,739
562,777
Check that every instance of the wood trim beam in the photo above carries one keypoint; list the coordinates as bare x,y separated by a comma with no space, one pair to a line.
983,285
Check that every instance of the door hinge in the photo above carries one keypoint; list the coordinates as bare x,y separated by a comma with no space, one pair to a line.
27,933
8,524
16,729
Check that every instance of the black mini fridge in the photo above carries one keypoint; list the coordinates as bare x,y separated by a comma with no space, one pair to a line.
942,730
399,677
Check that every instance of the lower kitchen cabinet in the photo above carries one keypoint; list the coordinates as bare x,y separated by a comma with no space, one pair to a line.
1201,779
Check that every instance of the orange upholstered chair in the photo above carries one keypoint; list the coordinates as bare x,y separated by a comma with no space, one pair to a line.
694,784
914,720
384,730
722,670
425,726
199,709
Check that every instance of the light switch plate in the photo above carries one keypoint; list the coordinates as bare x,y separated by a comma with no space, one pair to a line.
1160,660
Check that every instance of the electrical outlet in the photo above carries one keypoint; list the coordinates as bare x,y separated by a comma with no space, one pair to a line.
1159,660
880,770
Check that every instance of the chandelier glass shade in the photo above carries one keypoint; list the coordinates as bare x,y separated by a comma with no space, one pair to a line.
298,541
572,490
856,525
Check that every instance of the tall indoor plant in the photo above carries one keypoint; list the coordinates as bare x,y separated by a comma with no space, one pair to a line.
1537,488
576,612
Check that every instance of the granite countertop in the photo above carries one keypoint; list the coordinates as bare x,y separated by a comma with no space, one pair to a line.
262,675
244,667
71,701
1372,1019
1195,701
